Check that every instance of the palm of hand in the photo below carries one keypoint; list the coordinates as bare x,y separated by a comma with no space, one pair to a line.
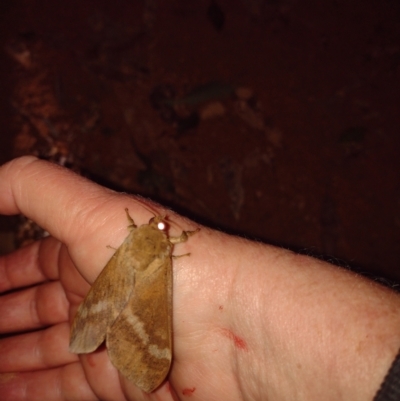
58,290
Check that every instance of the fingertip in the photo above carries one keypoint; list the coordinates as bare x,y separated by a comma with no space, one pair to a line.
45,192
8,177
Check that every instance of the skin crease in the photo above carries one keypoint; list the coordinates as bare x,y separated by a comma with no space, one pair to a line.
251,321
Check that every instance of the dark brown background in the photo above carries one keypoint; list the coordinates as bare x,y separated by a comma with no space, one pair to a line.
300,146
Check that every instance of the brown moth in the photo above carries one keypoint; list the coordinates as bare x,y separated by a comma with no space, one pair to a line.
130,306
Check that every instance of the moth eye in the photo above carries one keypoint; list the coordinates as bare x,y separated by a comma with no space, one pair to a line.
161,225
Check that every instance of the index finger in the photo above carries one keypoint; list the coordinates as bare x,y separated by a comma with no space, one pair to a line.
81,214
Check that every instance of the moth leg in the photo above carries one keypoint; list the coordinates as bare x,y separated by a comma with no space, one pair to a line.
179,256
132,223
183,237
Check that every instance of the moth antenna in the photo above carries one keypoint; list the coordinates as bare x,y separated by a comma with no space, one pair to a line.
146,206
162,217
172,223
149,210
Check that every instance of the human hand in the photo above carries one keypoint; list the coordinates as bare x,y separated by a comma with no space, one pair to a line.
250,321
80,216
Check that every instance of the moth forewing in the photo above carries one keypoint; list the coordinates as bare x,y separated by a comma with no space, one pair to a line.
104,302
145,329
130,305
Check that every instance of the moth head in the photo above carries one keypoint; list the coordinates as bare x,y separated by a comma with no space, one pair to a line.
158,222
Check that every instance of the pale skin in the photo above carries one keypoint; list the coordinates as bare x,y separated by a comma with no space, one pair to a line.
251,321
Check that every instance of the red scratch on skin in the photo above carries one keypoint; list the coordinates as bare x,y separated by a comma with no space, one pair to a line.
188,391
239,342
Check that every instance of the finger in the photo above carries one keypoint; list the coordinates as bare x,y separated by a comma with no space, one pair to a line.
81,214
97,365
33,308
66,383
20,268
41,349
48,349
43,192
29,265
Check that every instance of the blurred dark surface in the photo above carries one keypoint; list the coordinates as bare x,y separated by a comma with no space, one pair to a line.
275,120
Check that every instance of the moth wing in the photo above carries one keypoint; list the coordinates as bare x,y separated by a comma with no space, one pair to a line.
105,300
139,342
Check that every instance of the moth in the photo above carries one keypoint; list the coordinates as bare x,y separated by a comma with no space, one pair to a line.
130,306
